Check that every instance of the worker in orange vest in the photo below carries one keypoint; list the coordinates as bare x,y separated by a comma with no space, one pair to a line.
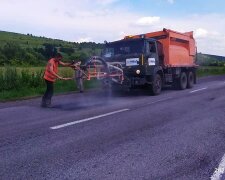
50,75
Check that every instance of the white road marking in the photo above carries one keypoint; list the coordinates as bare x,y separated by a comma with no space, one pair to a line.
159,100
217,175
199,89
87,119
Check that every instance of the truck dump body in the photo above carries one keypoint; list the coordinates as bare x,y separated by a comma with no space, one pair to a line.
178,48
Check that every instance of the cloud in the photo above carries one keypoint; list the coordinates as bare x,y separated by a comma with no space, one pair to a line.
209,36
100,20
200,33
85,39
171,1
147,21
106,2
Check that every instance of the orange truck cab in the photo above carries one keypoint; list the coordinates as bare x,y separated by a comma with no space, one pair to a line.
155,59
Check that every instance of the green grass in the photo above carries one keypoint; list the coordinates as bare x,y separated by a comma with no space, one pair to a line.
210,70
21,93
20,83
59,87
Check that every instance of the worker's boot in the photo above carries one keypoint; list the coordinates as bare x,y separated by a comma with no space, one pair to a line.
48,103
43,102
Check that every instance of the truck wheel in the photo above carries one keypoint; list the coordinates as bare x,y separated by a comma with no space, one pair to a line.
190,81
156,86
183,81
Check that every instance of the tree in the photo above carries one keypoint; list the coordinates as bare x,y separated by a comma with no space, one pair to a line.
49,50
68,51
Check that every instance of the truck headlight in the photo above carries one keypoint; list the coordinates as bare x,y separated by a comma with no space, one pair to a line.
138,71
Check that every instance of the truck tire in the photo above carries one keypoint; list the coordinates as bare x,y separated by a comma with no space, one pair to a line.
183,81
156,86
190,80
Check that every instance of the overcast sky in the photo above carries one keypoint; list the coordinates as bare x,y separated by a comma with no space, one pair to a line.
99,20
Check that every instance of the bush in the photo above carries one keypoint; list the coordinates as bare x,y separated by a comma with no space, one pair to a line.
11,79
1,80
36,79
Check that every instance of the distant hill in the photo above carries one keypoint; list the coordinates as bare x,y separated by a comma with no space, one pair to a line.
210,60
27,40
219,58
21,49
29,50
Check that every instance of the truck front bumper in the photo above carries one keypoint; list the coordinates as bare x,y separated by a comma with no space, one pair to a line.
132,82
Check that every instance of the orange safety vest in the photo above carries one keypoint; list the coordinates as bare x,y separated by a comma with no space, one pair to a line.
48,75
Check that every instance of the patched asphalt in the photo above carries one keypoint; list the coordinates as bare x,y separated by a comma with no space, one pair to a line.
176,135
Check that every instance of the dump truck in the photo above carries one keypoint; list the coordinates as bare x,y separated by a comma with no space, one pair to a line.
153,60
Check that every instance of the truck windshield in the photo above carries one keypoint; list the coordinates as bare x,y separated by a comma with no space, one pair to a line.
125,47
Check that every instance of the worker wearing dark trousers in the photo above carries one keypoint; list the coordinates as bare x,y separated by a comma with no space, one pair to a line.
79,80
50,77
79,77
46,99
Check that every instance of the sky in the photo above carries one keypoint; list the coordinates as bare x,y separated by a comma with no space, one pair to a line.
99,20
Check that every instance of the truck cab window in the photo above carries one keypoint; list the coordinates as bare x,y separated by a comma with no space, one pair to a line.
152,48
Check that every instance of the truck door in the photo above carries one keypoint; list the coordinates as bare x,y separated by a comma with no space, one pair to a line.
152,58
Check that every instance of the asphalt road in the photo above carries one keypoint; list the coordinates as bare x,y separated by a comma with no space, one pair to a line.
176,135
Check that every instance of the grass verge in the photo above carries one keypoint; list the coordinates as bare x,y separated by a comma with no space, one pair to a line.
30,92
210,71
